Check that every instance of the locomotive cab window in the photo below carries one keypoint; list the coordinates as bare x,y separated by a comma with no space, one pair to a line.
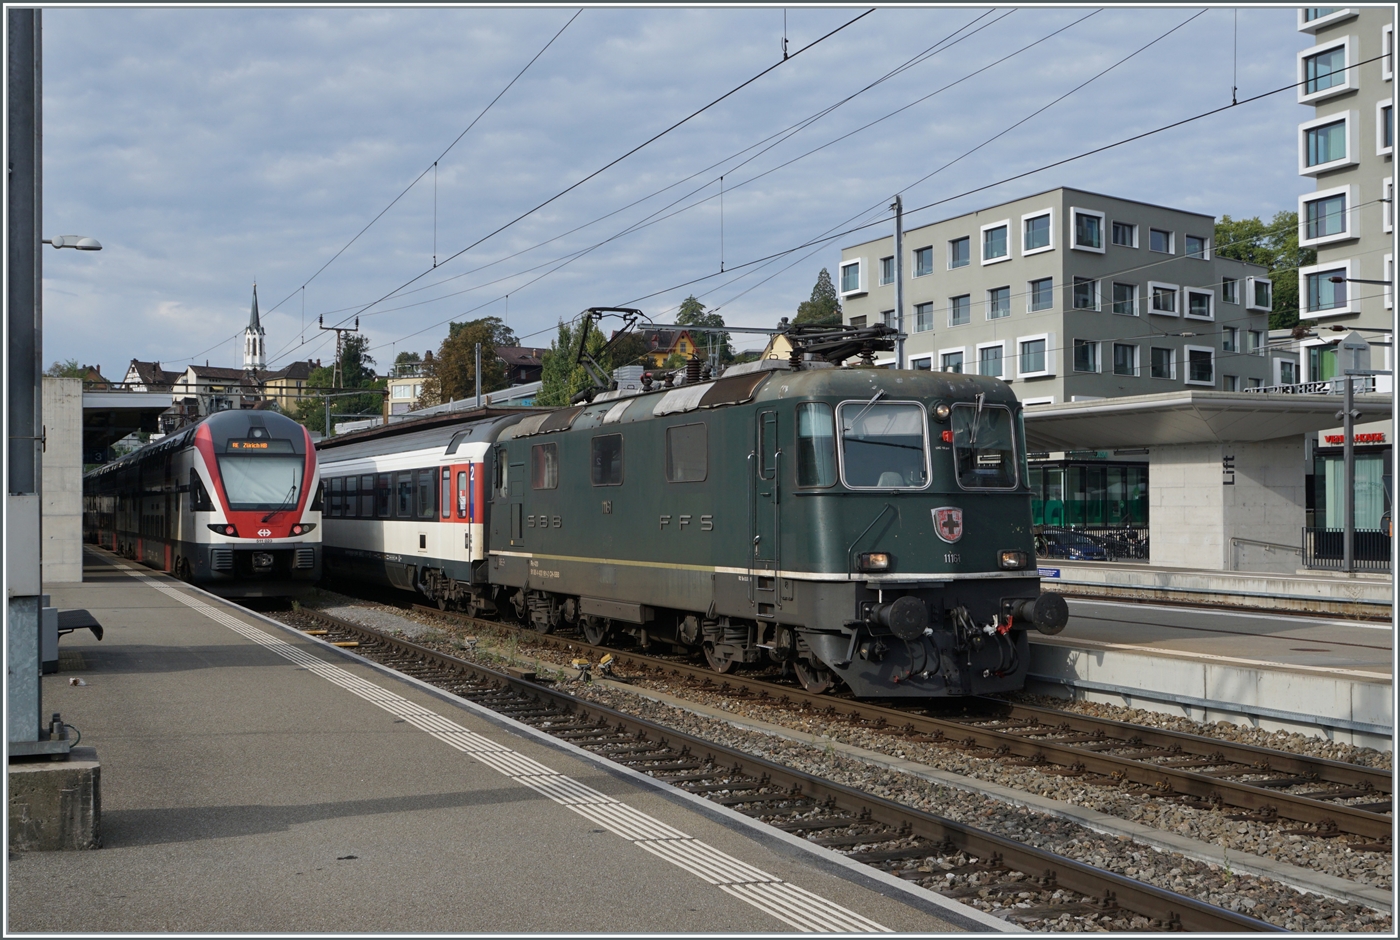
607,460
816,445
256,479
544,467
687,453
883,445
984,446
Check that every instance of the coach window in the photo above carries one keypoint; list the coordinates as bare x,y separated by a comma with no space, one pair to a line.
404,509
426,491
367,496
336,484
352,497
816,445
383,495
687,453
607,460
461,494
544,467
446,493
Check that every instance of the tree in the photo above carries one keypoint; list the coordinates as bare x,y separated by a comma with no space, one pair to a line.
824,306
356,372
454,368
692,313
1275,246
67,369
407,358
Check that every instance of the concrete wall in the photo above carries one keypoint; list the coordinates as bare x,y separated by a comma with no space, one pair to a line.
62,549
1205,515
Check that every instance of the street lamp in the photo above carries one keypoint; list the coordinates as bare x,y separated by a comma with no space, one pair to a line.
80,242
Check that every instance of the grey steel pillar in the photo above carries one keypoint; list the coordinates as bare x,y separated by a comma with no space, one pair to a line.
24,332
898,207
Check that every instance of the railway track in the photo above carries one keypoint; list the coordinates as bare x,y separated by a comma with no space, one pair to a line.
1331,799
956,860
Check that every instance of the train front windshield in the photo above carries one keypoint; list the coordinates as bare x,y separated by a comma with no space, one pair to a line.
261,479
884,444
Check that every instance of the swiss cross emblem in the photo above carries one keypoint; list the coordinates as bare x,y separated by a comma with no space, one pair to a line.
947,522
266,532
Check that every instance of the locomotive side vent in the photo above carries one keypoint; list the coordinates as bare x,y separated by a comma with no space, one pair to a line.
221,559
306,558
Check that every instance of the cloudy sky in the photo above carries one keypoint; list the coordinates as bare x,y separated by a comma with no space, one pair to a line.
207,148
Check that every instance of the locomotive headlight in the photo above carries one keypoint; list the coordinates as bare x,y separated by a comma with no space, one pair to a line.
941,411
1013,561
301,528
223,528
874,561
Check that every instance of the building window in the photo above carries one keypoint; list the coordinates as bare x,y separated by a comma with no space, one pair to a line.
1230,339
1259,294
1255,383
996,246
960,310
922,365
1325,295
858,323
1388,275
1042,294
1200,303
1387,206
1200,365
1088,229
1125,359
1322,216
1385,128
951,361
923,262
1229,290
1232,383
1287,372
1034,355
1163,298
1036,233
923,318
1322,71
887,270
1388,51
1163,363
989,360
1086,356
1197,247
1158,240
959,252
1125,234
887,317
1256,342
1085,294
850,278
998,303
400,391
1125,299
1324,144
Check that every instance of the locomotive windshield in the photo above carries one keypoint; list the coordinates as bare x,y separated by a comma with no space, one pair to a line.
261,481
984,448
883,444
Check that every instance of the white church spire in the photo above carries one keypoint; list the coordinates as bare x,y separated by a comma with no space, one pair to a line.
254,340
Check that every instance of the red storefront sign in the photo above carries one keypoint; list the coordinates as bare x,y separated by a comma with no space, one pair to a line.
1375,437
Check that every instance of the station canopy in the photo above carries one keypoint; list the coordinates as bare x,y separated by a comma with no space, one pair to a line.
111,414
1189,417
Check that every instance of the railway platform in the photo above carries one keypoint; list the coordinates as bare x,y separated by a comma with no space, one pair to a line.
258,780
1322,675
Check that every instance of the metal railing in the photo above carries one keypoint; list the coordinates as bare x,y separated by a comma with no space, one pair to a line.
1092,543
1323,549
1361,384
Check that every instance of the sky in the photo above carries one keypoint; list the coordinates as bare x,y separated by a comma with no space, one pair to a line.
211,148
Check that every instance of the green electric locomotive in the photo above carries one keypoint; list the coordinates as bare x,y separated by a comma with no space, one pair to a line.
867,527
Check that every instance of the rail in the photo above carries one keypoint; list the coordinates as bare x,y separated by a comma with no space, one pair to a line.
1322,549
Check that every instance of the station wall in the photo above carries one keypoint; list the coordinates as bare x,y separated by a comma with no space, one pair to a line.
62,488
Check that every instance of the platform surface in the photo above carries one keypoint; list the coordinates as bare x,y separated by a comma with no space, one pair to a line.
251,789
1360,649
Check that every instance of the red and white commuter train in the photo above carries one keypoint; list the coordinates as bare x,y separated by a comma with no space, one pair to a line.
231,503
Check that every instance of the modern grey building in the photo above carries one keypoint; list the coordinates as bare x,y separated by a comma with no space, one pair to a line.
1071,296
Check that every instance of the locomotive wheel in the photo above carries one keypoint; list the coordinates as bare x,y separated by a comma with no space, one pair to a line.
442,603
595,629
815,679
719,661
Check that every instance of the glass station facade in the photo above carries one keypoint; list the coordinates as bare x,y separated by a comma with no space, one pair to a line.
1088,492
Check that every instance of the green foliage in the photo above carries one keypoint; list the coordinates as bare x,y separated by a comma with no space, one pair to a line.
406,358
692,313
357,372
824,306
454,368
1273,244
560,378
67,369
496,331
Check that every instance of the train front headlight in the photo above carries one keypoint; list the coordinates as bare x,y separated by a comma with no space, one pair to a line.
223,528
301,528
1013,560
874,561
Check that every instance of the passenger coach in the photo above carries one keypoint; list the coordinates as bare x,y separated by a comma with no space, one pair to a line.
230,503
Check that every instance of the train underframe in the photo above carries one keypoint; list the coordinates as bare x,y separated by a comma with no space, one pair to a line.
229,570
